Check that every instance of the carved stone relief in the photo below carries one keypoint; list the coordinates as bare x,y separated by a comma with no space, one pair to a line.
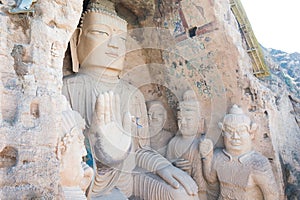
116,117
183,148
159,137
241,172
126,140
75,175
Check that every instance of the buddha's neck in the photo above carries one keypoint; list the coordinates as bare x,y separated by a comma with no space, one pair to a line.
99,72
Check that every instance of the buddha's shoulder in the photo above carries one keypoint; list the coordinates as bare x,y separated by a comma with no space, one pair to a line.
76,79
131,91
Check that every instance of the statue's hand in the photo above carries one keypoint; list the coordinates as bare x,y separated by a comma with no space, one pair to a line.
176,177
87,176
183,164
206,148
112,135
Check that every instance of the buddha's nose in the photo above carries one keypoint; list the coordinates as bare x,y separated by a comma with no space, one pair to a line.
113,41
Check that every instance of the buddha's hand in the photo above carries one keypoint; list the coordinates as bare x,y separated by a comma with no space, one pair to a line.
206,148
177,178
110,131
183,164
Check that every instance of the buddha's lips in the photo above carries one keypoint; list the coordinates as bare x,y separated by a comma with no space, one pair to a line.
113,55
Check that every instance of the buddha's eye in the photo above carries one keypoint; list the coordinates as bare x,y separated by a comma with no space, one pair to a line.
98,32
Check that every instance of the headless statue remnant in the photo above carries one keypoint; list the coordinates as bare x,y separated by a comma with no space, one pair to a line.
75,176
159,137
22,6
241,172
116,117
183,149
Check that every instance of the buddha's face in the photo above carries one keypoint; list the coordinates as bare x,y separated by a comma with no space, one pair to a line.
157,116
188,123
237,138
101,44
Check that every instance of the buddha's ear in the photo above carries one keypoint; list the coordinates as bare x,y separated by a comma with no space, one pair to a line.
221,126
75,39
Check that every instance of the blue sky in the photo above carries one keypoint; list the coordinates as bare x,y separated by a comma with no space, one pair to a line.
276,23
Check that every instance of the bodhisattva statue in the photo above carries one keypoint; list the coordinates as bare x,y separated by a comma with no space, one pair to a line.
74,178
183,149
241,172
119,141
159,137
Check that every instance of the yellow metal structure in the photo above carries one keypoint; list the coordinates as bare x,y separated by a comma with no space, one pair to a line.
254,50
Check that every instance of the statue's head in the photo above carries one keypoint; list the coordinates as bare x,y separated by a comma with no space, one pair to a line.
71,148
157,114
238,131
100,39
189,114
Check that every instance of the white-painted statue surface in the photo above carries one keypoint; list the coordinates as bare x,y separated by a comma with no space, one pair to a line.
183,149
241,172
116,116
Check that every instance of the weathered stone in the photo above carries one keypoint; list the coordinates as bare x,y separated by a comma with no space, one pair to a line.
172,46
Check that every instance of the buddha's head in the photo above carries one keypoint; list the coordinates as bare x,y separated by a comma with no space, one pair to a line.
71,149
100,39
237,131
189,114
157,115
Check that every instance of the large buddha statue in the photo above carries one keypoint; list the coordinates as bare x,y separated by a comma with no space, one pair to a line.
116,116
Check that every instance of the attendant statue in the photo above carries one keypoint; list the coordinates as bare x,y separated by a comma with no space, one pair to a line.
159,137
241,172
74,179
183,149
116,116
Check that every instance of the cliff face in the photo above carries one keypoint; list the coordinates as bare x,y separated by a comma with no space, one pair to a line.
284,83
286,66
172,46
208,54
32,47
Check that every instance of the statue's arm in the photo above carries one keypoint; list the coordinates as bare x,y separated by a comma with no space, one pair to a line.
152,160
149,159
207,157
264,178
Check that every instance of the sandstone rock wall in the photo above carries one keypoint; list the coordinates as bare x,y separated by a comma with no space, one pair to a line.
31,52
172,46
212,61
